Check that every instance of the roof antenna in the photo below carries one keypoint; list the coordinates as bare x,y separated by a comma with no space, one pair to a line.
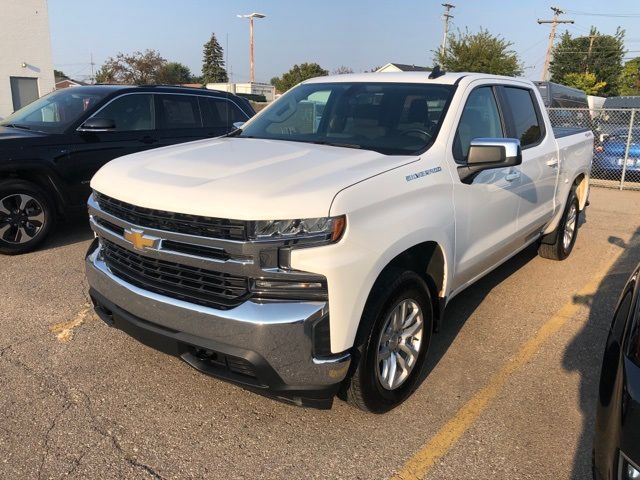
436,72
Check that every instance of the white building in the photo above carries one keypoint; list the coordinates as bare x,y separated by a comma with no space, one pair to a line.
269,91
26,66
402,67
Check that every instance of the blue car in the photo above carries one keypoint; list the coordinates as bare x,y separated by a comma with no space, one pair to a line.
610,154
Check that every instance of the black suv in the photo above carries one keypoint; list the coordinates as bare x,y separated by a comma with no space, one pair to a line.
50,149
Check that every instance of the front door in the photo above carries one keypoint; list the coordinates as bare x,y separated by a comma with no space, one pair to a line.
133,115
486,210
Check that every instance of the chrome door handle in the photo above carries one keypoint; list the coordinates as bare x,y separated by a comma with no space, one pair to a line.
552,163
510,177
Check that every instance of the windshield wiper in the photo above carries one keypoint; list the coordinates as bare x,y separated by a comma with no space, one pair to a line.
15,125
334,144
235,133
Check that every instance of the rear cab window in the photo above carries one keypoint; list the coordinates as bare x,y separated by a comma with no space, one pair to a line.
526,121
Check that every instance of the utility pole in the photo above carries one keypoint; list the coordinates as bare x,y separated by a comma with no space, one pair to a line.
252,63
93,77
552,36
592,37
446,16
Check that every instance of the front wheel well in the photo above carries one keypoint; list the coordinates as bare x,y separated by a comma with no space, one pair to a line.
427,260
39,179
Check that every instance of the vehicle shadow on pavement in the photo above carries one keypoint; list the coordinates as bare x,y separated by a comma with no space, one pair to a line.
584,353
68,233
463,306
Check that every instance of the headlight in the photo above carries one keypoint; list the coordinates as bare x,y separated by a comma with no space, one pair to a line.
324,229
628,471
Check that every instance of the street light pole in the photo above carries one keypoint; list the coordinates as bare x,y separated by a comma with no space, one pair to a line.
252,63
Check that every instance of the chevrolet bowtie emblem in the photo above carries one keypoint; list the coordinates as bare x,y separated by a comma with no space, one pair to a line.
139,240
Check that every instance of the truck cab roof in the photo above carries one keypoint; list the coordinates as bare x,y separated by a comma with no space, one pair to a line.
448,78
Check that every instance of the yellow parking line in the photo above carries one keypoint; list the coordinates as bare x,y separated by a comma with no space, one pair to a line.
419,465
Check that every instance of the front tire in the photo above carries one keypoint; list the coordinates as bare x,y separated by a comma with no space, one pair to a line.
390,357
565,234
26,217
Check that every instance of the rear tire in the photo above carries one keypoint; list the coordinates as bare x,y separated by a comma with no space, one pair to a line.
391,355
565,234
26,216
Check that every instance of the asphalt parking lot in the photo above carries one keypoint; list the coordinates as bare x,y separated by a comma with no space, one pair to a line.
510,394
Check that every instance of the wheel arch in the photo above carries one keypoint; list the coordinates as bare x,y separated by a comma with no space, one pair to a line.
428,259
581,187
40,177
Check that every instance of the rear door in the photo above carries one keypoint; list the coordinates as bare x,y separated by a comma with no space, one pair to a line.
178,118
486,210
539,170
219,114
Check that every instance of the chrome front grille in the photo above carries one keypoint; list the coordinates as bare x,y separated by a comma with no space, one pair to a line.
211,271
208,227
184,282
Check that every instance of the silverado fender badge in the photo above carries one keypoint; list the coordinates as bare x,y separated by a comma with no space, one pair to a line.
139,240
423,173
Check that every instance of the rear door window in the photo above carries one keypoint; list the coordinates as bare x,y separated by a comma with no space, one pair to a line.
178,112
525,121
220,112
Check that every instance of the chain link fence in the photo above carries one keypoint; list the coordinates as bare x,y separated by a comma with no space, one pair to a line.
616,155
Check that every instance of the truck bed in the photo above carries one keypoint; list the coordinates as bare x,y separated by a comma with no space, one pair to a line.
560,132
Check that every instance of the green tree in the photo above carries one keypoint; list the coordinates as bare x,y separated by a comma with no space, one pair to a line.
571,55
297,74
587,82
137,68
213,69
59,75
630,78
479,52
341,70
173,73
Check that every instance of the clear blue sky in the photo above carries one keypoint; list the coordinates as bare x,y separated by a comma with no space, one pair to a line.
357,33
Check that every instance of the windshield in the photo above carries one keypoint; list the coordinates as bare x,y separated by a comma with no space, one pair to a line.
390,118
53,113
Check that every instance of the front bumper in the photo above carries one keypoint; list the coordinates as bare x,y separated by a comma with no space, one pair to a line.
264,346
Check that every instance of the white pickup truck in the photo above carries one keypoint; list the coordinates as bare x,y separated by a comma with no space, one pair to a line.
313,251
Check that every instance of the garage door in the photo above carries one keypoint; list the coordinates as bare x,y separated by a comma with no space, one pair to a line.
24,90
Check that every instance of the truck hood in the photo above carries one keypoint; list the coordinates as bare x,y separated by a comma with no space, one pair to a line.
241,178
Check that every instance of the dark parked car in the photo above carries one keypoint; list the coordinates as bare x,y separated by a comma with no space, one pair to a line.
617,437
50,149
609,157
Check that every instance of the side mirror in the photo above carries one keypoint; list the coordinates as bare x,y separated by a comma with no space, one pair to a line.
238,125
97,125
490,153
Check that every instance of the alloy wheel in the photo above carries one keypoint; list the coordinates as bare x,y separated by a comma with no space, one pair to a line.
399,344
569,226
21,218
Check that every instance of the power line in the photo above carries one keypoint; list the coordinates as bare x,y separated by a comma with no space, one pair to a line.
552,36
616,15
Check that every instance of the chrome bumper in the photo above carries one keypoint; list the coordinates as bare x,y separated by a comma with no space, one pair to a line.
277,332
